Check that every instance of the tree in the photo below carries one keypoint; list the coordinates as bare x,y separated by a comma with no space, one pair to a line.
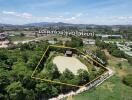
54,91
75,42
55,72
100,54
51,70
83,76
118,53
3,56
67,75
42,90
4,80
32,62
129,59
24,56
55,39
101,44
28,83
28,95
2,97
15,91
22,34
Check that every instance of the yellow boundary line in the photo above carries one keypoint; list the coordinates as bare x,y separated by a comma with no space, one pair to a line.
40,61
56,46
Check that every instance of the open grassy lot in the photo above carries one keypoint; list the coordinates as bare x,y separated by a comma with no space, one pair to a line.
19,38
51,37
70,63
113,88
45,37
18,32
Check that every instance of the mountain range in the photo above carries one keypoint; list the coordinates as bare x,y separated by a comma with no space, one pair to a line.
43,24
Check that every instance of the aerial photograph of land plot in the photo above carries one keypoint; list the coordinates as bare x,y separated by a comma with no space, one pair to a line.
65,50
66,65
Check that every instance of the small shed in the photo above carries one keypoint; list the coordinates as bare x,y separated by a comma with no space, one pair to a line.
68,53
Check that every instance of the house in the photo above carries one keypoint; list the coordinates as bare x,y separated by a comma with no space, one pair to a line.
106,36
68,53
52,42
89,41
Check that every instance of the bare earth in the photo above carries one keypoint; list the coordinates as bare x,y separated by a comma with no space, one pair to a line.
71,63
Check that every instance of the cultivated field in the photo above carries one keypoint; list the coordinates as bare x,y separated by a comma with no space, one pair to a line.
71,63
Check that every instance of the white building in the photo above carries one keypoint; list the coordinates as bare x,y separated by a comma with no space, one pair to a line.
89,41
105,36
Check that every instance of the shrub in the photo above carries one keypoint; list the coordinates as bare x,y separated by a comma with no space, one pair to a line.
128,80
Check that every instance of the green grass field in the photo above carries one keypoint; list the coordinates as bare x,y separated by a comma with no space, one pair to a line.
113,88
19,38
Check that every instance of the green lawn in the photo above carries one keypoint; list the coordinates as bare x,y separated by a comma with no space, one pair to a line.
112,89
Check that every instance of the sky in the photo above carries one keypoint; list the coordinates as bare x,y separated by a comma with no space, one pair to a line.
101,12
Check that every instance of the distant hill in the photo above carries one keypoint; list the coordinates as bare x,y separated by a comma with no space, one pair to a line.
44,24
48,24
2,25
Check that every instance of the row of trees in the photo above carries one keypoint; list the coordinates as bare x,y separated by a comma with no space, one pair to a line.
113,50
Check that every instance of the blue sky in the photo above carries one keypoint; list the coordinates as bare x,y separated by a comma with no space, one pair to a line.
108,12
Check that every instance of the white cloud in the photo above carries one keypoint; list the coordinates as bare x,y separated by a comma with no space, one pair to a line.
43,18
9,12
79,14
23,15
26,15
125,18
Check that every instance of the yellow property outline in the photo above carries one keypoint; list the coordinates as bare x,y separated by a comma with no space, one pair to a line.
47,80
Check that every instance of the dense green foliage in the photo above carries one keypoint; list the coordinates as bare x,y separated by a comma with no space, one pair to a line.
113,50
75,42
101,44
100,54
16,66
